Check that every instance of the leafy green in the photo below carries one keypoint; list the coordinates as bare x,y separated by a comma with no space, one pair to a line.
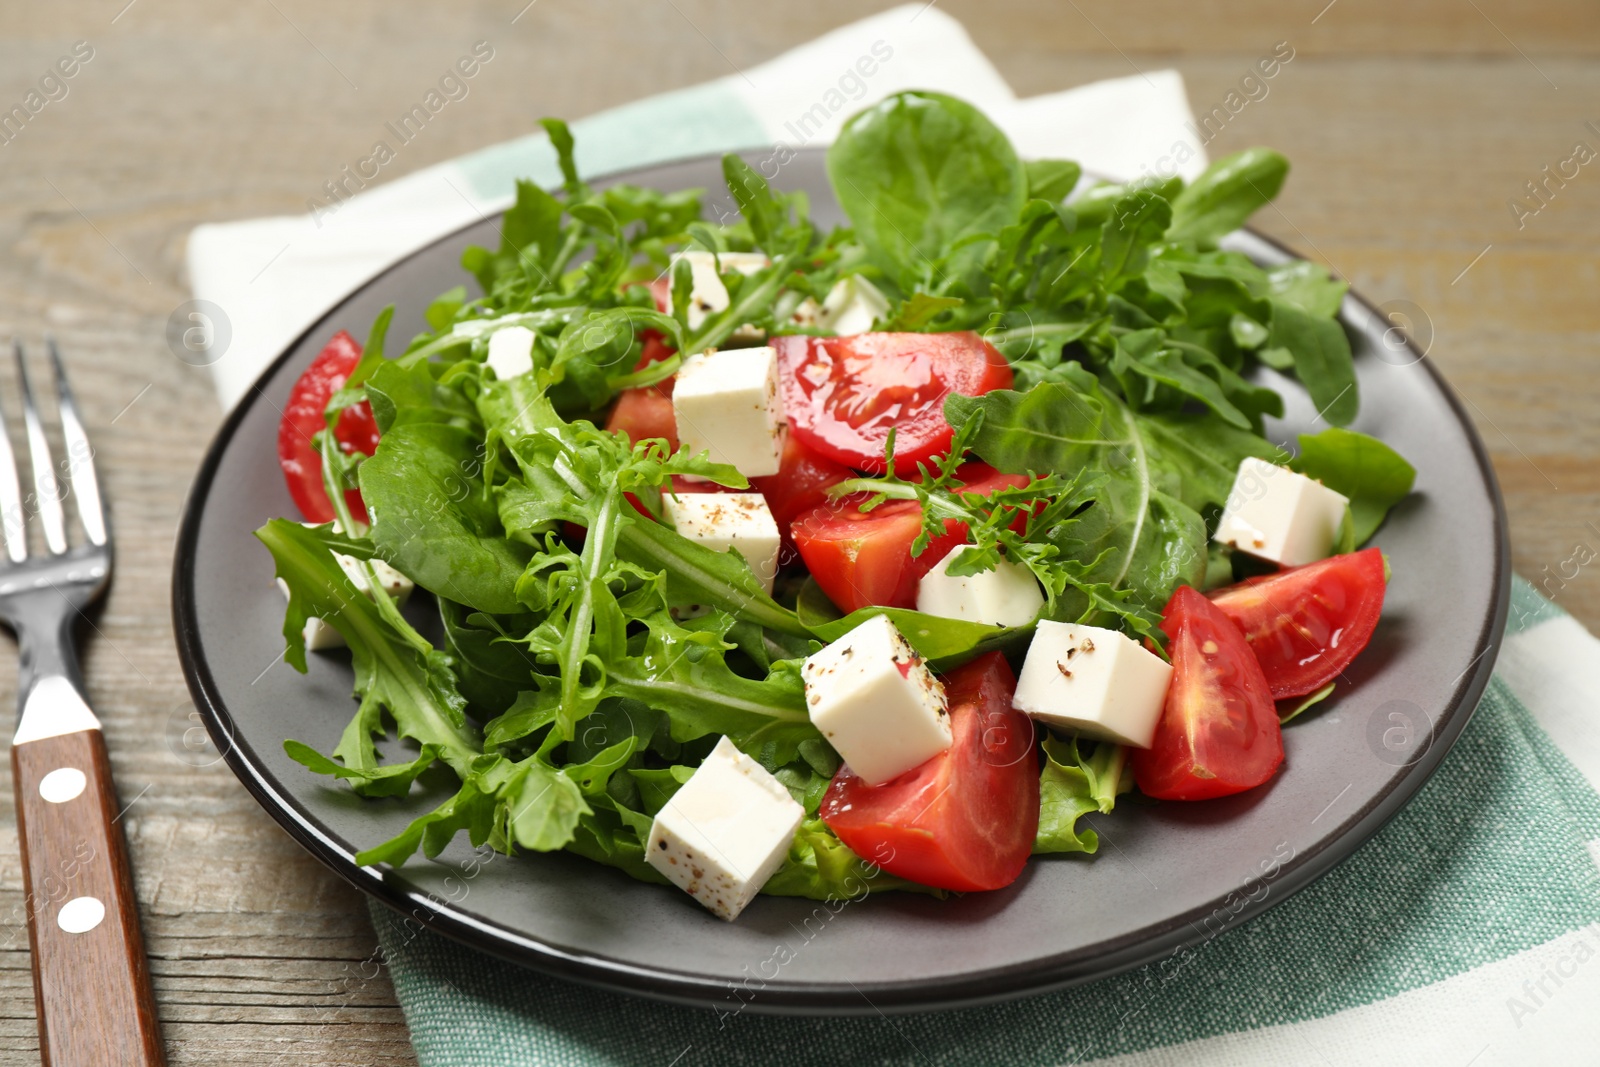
1071,785
920,173
590,656
1055,511
435,519
1226,194
1322,360
1289,710
1369,472
1051,179
945,643
1139,534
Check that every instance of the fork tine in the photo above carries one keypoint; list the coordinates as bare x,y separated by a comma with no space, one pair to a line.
46,489
80,457
11,515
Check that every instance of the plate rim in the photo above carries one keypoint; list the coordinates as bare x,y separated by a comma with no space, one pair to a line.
968,989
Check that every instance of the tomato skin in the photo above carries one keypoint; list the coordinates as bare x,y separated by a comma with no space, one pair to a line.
800,486
1219,731
842,395
646,411
355,430
1306,624
864,558
965,819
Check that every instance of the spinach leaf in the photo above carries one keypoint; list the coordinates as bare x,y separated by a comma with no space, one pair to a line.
1374,476
435,520
1226,195
919,173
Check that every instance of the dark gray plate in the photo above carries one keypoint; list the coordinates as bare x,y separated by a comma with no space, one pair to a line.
1170,874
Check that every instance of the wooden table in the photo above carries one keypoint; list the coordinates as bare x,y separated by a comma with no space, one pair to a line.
1411,126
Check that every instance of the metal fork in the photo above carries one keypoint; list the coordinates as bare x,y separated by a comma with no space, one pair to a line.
91,981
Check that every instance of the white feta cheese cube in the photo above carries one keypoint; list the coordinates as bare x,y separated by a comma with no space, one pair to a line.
876,702
709,296
510,352
320,636
724,832
720,521
1276,514
851,306
1098,682
1008,595
726,403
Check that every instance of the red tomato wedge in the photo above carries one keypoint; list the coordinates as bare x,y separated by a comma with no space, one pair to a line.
966,818
303,416
864,558
842,395
1306,624
1219,730
801,484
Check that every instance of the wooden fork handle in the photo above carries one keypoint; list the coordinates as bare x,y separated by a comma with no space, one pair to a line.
91,980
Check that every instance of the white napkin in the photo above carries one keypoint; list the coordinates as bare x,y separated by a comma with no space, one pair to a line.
272,277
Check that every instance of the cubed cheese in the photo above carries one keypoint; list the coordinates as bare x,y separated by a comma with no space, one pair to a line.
726,403
720,521
1276,514
319,636
1098,682
877,702
709,295
1008,595
851,306
511,352
724,832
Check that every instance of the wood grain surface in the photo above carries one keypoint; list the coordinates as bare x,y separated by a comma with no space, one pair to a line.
1411,126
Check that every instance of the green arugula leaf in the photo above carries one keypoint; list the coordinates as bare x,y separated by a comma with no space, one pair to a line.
1322,360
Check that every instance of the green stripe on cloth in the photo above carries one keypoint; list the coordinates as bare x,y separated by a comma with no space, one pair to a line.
690,122
1488,860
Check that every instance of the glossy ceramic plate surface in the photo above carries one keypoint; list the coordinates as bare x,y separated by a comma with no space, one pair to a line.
1166,874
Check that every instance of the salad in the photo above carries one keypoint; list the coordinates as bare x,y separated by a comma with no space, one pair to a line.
775,559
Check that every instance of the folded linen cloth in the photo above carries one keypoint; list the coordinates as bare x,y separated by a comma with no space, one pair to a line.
1464,932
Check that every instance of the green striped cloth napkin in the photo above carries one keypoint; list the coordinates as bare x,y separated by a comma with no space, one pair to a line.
1466,931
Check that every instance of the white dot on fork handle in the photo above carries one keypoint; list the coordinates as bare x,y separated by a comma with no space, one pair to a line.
80,915
62,784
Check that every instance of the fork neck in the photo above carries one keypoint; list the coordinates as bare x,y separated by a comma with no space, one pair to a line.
51,698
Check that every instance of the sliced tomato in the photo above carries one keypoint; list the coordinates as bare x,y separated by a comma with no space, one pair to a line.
842,395
801,484
863,558
965,819
1219,730
646,412
1306,624
355,430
